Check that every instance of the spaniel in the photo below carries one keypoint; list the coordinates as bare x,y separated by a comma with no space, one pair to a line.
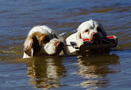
42,40
89,29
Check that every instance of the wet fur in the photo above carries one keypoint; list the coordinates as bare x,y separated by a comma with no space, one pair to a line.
89,29
37,39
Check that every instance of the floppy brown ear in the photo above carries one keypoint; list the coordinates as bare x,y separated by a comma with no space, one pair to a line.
31,46
78,35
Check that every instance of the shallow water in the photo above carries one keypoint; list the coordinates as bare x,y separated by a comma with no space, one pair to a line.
104,72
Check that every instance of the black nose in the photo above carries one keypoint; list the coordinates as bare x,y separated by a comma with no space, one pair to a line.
96,35
61,45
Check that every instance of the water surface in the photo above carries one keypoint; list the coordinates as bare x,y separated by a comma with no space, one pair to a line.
102,72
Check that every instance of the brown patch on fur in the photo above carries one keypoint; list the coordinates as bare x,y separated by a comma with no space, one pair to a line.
42,38
28,48
34,43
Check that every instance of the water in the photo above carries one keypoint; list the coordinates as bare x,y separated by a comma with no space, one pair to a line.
101,72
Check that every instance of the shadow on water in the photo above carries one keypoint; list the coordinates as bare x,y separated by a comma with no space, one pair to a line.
95,69
52,72
45,72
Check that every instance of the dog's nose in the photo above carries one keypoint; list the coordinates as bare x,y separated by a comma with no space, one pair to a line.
60,44
95,34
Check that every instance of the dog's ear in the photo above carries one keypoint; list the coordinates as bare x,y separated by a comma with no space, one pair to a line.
78,35
101,29
31,46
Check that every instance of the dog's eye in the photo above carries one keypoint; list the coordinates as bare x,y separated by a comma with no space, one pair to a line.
87,30
46,39
99,29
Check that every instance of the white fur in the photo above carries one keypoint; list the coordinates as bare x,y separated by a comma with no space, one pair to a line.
82,33
51,49
91,25
43,29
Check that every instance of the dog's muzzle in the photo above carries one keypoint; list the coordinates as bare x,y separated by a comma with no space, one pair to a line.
95,36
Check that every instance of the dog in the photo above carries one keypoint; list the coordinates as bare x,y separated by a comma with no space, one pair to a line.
90,29
42,40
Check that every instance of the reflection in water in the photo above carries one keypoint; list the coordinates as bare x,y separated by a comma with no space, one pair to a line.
45,72
94,69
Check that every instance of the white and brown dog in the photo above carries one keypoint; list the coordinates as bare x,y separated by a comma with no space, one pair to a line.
89,29
41,40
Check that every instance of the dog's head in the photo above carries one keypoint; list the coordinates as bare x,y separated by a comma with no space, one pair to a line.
90,29
42,43
54,47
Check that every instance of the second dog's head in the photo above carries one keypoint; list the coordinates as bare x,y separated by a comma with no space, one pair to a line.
90,29
39,43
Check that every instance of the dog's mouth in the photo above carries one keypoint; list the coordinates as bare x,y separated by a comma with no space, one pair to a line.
57,52
59,48
95,37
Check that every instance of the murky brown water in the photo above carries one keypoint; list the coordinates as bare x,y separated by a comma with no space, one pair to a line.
110,71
